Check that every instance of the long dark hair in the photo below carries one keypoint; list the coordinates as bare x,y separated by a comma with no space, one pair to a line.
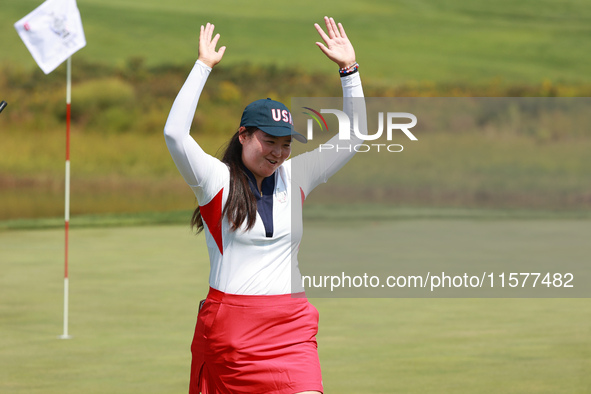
241,204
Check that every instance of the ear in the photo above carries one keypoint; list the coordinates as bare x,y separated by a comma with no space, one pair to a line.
241,135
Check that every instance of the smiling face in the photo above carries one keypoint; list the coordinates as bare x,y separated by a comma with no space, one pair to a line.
263,153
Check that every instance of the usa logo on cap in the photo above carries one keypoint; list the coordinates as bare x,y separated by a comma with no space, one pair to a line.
272,117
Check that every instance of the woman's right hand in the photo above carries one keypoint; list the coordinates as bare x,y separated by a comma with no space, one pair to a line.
337,46
207,52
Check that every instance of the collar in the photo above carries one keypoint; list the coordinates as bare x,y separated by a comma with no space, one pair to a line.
267,186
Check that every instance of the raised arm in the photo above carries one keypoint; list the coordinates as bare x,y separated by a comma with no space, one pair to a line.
315,167
193,163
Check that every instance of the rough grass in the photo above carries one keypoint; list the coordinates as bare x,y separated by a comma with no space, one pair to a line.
466,170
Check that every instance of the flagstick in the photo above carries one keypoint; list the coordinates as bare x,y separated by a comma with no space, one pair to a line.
67,197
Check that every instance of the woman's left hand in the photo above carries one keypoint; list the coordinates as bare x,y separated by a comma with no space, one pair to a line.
338,48
207,53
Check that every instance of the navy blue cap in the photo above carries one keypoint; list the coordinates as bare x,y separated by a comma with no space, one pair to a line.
272,117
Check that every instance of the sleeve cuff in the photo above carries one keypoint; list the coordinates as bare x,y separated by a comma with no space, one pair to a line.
205,66
351,80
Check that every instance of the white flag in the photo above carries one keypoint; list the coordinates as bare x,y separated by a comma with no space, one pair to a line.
52,33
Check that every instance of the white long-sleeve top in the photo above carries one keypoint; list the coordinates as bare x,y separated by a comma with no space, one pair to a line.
251,262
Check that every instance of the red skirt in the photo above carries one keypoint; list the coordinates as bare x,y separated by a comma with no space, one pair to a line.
255,344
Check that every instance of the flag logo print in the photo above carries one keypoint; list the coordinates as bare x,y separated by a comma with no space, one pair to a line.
59,25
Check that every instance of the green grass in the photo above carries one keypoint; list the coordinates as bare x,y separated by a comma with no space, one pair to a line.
134,293
100,220
451,41
134,290
314,212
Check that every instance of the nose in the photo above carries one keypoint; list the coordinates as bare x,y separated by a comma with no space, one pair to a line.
276,151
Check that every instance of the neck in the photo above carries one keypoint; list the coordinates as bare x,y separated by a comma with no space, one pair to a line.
257,180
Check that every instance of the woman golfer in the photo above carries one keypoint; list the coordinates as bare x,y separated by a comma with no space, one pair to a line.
252,334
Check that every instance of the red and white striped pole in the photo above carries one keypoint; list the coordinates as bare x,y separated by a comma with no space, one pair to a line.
67,197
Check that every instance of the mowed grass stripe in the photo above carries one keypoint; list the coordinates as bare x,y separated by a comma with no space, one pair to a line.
134,293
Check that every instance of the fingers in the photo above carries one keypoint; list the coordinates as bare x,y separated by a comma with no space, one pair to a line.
321,32
337,46
334,30
206,33
329,27
207,46
214,42
210,28
342,30
221,52
323,48
205,37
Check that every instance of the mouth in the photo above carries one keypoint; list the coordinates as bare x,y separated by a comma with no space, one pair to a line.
273,162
